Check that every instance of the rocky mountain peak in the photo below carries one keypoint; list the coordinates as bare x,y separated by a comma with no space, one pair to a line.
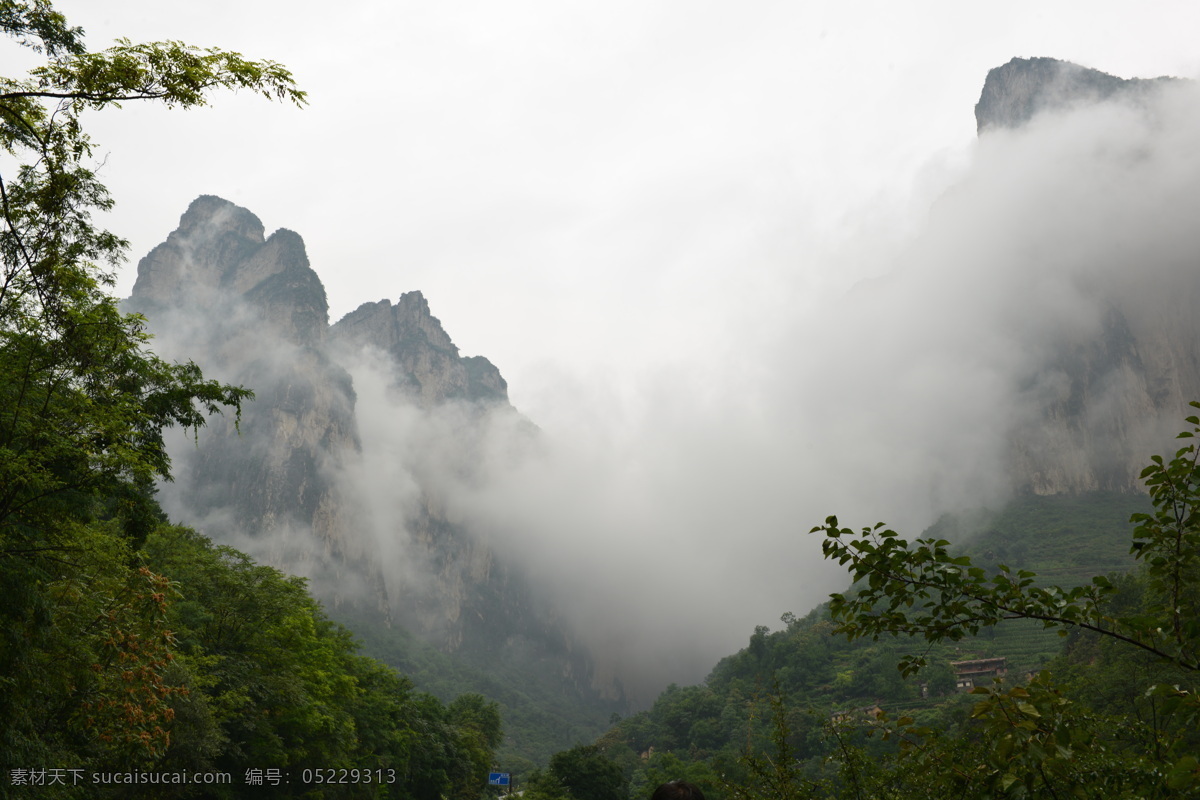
1017,91
315,481
218,258
216,214
431,370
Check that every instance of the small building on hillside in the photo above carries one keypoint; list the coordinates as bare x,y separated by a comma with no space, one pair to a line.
862,712
969,674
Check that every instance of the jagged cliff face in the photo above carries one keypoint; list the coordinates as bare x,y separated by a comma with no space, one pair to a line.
1016,92
431,370
251,311
1105,399
1106,405
345,484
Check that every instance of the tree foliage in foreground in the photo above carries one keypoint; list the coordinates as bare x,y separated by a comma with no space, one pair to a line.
83,404
127,644
1044,739
584,772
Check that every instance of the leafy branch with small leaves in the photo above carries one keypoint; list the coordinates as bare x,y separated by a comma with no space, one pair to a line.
1041,742
83,400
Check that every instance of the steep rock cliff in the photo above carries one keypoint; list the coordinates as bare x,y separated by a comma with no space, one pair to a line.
432,370
359,506
1102,401
1104,406
1016,92
251,311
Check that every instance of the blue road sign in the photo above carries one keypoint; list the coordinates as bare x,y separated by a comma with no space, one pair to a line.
499,778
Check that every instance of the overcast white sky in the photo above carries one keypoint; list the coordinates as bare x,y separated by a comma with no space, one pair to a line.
608,184
627,206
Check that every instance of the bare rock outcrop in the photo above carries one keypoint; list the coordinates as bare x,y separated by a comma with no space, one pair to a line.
1016,92
251,311
431,369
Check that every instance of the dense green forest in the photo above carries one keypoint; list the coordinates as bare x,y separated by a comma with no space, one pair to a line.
184,657
539,713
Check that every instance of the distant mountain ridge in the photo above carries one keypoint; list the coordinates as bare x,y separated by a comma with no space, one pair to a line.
293,487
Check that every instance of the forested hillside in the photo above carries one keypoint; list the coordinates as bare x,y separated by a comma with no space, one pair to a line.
184,658
539,716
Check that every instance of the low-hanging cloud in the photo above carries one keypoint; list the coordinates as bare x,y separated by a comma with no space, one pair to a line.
665,511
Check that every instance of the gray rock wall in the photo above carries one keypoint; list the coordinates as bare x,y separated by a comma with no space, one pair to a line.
1101,405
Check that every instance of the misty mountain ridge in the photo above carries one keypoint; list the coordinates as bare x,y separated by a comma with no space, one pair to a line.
386,467
1056,285
1111,392
345,459
1047,304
